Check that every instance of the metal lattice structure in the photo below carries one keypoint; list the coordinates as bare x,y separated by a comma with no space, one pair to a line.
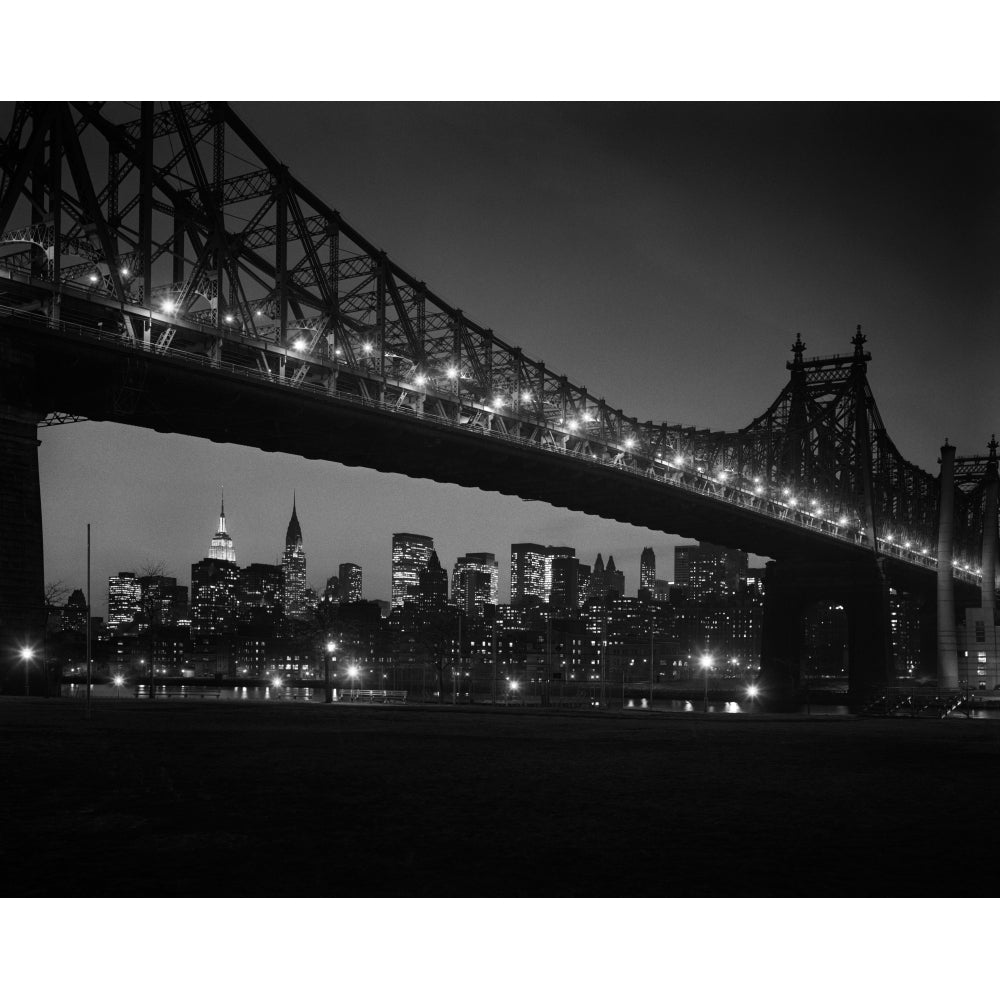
203,243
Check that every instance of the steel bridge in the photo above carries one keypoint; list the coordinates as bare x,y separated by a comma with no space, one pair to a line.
131,291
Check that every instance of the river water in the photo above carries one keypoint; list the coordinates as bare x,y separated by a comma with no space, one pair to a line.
106,692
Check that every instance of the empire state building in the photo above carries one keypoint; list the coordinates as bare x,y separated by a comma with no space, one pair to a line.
222,544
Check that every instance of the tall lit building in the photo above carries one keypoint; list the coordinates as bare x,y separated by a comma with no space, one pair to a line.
432,587
350,582
709,572
163,602
214,587
221,546
293,564
260,595
475,582
527,573
74,617
647,571
564,589
410,554
124,599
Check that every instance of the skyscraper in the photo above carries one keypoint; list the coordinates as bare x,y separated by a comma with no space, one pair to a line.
647,571
124,599
527,573
709,573
410,554
564,592
260,595
221,546
293,564
350,582
432,587
475,582
214,585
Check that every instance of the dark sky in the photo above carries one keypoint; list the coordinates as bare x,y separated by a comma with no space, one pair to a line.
663,255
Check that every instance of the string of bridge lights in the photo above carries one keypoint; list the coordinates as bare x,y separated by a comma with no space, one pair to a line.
782,495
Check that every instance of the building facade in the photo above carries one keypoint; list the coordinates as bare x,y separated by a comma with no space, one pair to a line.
410,554
293,565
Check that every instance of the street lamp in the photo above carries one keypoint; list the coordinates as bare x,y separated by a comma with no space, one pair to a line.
706,665
352,672
330,647
751,694
27,655
118,682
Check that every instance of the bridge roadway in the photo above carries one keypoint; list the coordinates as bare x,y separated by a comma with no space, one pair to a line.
86,371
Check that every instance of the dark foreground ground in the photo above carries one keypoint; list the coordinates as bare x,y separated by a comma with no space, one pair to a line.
263,799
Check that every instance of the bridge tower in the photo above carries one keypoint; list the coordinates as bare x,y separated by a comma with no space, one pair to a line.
831,432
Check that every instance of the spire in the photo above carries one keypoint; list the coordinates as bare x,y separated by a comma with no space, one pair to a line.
221,546
293,536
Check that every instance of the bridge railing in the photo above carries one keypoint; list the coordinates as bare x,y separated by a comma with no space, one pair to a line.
688,479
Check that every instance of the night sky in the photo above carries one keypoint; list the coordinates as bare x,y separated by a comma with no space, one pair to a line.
662,255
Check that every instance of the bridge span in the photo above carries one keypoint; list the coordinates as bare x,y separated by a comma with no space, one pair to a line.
130,299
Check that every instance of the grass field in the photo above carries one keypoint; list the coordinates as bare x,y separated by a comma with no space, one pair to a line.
240,799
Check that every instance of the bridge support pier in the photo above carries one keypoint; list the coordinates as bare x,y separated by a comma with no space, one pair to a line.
22,586
792,586
22,572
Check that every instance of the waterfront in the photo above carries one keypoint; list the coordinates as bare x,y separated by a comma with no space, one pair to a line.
253,798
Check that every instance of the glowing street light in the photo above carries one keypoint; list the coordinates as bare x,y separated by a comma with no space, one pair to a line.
752,691
706,664
119,682
27,655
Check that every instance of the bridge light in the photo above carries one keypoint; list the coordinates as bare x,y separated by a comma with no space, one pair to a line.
124,272
337,350
452,372
723,476
169,306
923,552
229,318
758,490
498,402
785,491
300,344
629,443
756,479
906,545
421,379
93,279
276,683
367,348
889,537
573,425
525,397
258,313
842,521
792,502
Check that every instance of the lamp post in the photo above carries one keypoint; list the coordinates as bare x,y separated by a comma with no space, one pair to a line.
352,672
328,696
751,694
27,655
118,681
706,665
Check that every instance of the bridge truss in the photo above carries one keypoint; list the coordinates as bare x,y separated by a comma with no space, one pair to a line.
200,242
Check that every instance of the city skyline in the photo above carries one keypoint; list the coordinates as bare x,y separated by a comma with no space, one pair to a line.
319,574
663,255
